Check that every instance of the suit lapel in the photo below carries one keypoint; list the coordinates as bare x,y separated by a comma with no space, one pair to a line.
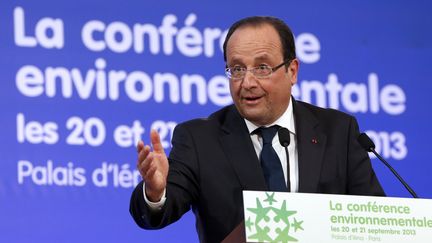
239,150
311,145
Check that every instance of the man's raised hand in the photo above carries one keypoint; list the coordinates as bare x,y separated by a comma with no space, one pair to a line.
153,167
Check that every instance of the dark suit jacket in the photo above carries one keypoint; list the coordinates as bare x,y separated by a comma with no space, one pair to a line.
212,160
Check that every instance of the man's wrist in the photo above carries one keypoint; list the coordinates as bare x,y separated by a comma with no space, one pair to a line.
157,204
153,196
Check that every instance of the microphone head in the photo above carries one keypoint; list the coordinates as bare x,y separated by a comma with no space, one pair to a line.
284,136
366,142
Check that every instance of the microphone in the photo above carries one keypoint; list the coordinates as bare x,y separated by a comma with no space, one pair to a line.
284,137
284,140
369,146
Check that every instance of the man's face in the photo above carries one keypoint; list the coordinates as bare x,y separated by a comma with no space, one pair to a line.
260,100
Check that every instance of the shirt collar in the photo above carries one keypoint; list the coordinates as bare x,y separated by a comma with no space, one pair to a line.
286,120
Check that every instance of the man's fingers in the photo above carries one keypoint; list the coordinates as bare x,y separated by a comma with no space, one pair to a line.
140,146
142,155
156,143
146,164
151,162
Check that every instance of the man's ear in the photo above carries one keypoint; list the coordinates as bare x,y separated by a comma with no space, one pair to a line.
293,68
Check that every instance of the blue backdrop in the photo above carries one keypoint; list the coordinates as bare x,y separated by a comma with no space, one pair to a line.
81,81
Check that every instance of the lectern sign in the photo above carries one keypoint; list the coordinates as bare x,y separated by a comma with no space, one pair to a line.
303,217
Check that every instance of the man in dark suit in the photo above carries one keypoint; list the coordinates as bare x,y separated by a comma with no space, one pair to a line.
212,160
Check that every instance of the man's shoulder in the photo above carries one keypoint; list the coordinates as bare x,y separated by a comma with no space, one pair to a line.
329,121
323,113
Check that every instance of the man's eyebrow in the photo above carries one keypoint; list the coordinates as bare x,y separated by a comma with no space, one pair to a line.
262,57
258,58
235,60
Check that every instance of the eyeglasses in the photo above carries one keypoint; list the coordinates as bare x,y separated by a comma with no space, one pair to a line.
262,71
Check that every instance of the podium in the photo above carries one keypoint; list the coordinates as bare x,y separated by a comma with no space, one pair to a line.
238,235
326,218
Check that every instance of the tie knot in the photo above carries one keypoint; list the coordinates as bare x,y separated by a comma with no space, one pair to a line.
268,133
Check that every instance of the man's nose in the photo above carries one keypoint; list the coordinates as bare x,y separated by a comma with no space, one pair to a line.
249,80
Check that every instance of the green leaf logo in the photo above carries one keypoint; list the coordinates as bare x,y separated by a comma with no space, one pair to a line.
267,215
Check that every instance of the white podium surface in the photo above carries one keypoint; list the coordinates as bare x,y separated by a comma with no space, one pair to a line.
322,218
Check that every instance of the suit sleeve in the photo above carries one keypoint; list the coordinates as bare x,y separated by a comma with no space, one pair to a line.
361,176
182,185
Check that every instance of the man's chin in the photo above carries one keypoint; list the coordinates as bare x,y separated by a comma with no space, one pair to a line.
256,117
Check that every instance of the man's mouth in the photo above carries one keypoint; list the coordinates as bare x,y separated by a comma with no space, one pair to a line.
251,99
